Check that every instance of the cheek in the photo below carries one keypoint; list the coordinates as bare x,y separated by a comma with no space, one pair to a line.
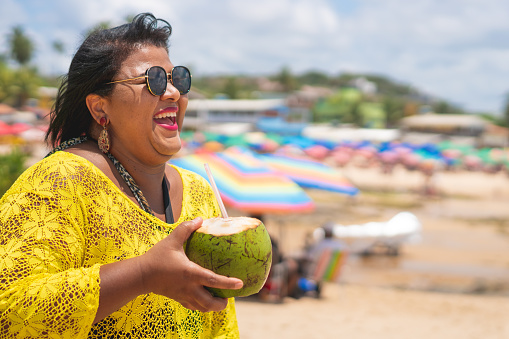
182,110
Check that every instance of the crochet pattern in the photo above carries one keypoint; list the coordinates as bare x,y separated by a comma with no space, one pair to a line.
63,219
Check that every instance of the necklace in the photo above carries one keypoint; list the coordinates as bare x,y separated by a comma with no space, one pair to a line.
128,179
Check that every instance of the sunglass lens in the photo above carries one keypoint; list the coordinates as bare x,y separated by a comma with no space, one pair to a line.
181,79
157,80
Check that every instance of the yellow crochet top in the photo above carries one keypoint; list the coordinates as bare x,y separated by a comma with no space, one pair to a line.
59,222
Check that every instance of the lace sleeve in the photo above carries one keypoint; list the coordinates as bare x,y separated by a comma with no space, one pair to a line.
45,290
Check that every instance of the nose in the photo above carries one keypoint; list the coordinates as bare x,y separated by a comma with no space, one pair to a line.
171,93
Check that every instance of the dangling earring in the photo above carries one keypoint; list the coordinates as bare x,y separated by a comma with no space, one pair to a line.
104,140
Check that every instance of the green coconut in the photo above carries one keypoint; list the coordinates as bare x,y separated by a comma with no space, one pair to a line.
237,247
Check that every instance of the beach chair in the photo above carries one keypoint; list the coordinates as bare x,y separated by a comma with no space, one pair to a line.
325,262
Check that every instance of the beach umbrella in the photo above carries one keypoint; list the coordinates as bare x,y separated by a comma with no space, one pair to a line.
472,162
290,150
388,156
309,173
247,184
212,146
261,142
318,152
14,129
340,157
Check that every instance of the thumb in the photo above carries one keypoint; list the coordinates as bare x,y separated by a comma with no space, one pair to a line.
184,230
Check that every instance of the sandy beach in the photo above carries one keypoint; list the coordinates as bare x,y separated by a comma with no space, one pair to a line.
453,283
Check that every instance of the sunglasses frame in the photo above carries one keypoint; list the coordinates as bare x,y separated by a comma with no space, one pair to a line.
169,76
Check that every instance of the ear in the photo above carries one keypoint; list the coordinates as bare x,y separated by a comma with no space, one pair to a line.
96,105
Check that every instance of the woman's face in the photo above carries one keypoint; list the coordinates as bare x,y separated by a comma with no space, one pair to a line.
144,127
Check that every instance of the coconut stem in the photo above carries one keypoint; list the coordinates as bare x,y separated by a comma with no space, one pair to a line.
216,191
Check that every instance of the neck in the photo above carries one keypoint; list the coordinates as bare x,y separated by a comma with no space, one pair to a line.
146,176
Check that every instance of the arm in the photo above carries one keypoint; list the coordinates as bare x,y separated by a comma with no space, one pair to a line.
43,289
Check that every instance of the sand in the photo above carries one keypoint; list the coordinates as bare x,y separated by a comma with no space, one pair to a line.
454,283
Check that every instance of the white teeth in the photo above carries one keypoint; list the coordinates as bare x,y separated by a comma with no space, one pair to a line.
165,115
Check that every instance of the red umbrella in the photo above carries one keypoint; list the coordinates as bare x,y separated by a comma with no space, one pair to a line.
317,152
341,158
15,129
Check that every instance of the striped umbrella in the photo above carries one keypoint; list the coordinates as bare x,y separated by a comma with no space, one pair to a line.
247,184
309,173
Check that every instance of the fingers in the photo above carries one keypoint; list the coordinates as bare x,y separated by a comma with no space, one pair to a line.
182,232
206,302
211,279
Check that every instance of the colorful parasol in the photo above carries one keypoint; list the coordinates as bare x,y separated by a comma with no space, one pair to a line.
247,184
309,173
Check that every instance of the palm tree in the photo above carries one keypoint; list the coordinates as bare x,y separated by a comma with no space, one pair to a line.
25,85
58,46
22,48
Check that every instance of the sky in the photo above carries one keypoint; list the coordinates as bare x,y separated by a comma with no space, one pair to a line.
457,50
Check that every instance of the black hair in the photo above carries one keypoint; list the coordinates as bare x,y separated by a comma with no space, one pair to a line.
95,63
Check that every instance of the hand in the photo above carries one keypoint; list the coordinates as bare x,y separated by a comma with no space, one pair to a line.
166,270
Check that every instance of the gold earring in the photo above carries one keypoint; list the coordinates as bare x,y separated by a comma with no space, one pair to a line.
104,140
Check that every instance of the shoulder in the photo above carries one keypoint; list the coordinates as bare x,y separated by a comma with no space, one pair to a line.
59,169
60,174
62,162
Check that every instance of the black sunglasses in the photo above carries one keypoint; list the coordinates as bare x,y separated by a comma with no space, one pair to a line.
156,79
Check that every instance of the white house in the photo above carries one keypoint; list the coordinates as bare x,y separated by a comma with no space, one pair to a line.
203,112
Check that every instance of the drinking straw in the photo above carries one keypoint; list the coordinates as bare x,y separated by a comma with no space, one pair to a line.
216,191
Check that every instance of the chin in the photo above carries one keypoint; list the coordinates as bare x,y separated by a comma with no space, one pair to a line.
171,150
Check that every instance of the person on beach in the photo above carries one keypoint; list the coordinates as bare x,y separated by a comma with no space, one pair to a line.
92,236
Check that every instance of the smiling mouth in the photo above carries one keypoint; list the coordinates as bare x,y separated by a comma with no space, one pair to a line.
165,118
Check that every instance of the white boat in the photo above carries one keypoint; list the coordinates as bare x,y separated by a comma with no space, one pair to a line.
404,227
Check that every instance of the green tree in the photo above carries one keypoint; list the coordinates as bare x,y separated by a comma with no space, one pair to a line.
58,46
286,79
18,85
506,111
394,110
129,17
25,84
11,166
444,107
6,82
231,88
22,48
314,78
97,27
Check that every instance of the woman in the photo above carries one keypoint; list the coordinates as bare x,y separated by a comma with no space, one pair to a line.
88,242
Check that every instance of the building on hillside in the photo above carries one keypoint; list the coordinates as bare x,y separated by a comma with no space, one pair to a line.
367,87
432,127
307,96
202,113
495,136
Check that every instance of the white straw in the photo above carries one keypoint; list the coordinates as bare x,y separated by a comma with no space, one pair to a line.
216,191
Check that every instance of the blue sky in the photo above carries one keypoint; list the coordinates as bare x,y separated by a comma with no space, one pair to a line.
453,49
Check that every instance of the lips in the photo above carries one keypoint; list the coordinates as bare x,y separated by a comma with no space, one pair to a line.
167,118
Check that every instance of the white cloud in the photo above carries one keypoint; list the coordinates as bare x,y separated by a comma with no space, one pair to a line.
455,49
